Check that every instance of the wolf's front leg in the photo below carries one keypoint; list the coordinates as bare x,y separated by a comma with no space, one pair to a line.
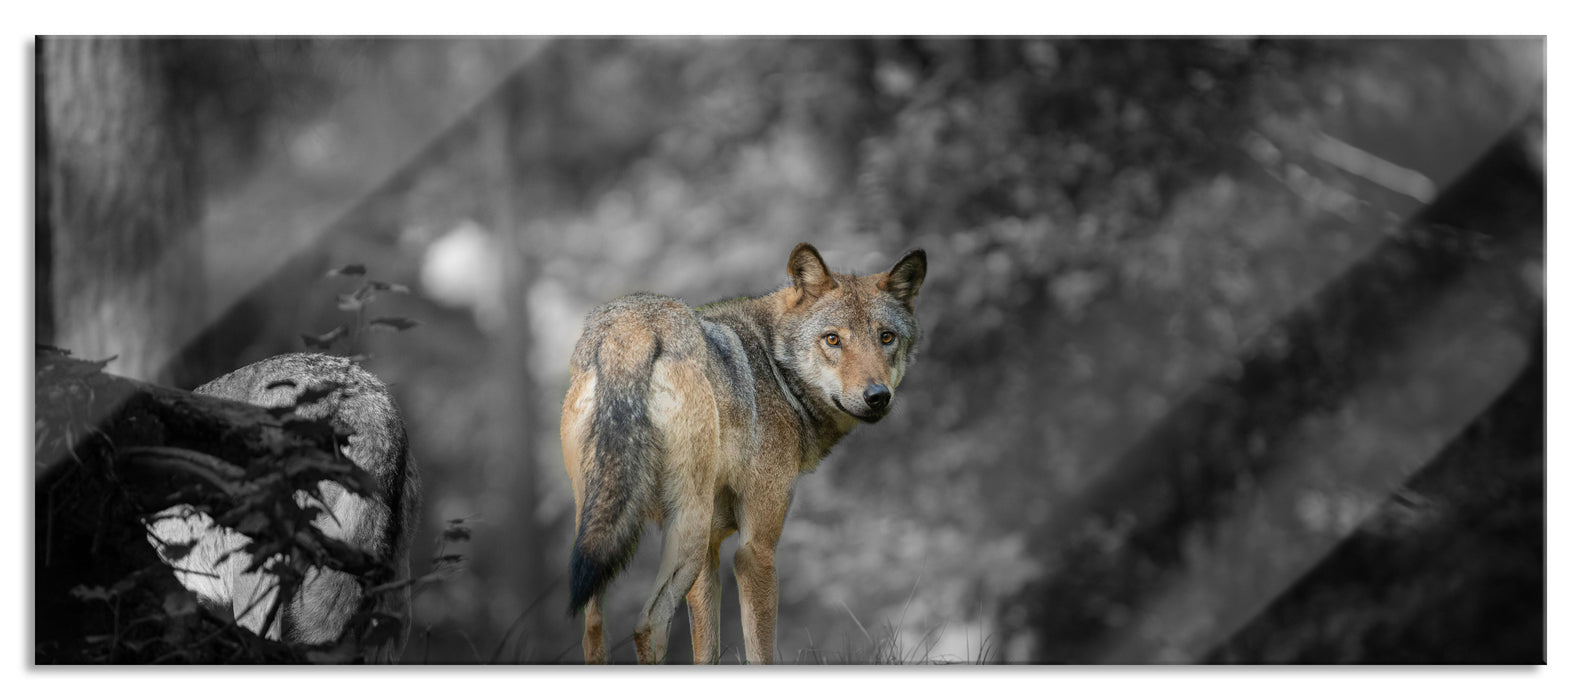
755,575
760,597
703,601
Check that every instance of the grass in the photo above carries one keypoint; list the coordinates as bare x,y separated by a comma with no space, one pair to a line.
888,649
882,646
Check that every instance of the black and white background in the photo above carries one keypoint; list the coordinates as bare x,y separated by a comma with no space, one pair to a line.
1234,346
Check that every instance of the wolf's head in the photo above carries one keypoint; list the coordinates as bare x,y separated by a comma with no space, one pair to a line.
850,337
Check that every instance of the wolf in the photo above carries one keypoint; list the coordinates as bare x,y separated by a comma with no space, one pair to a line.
702,419
371,433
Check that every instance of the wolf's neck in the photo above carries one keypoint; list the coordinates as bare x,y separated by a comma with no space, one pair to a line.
823,425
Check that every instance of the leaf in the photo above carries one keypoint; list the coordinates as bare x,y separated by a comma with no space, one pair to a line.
180,604
253,522
458,532
83,368
307,397
224,613
85,593
389,287
323,342
343,653
354,270
367,293
124,586
395,323
351,302
318,391
176,551
448,565
357,480
381,628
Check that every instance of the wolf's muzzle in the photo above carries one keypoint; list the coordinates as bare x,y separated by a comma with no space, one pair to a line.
877,396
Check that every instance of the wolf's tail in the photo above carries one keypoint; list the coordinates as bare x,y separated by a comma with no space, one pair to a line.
621,456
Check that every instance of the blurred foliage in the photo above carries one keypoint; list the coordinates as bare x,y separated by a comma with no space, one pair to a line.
1449,571
1254,476
1111,224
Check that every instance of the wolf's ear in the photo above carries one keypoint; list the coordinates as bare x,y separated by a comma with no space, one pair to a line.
903,280
808,273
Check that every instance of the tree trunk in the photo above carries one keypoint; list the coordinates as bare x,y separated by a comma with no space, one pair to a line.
43,308
125,265
501,143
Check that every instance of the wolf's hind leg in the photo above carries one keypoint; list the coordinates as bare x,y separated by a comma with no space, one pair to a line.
593,630
683,410
686,548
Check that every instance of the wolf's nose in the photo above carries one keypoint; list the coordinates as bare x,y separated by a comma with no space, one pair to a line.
877,396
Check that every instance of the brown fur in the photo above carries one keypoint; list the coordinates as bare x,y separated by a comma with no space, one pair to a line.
703,420
363,411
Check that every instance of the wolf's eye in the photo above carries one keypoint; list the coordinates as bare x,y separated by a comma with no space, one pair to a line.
831,339
887,337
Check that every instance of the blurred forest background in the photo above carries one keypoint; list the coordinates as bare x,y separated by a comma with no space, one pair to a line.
1233,346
